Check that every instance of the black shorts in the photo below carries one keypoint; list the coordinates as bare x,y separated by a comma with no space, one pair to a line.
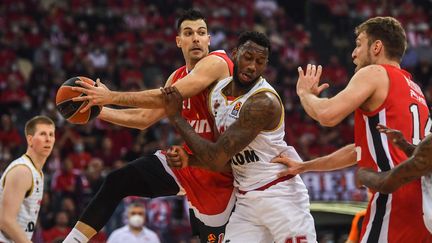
154,180
206,233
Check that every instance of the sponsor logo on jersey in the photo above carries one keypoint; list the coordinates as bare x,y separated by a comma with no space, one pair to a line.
245,157
236,109
200,126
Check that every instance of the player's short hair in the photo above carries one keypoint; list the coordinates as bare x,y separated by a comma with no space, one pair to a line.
30,126
190,14
257,37
388,30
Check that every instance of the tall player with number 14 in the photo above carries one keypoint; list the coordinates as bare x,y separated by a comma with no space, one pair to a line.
379,92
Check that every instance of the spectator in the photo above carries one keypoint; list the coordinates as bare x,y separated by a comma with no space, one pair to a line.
60,230
134,231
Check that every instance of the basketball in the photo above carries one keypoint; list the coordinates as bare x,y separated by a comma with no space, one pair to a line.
69,109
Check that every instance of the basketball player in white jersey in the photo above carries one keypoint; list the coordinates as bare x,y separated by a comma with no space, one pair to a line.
249,117
21,185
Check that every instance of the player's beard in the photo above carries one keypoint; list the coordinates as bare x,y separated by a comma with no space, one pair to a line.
237,80
366,62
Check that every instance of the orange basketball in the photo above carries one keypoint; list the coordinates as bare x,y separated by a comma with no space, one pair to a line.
69,109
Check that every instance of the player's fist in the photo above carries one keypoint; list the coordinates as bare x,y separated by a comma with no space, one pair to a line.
177,157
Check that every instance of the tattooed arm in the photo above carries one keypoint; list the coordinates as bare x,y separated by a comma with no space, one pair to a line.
419,164
260,112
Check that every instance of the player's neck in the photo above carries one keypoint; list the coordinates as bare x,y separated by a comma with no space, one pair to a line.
36,159
236,89
387,61
190,65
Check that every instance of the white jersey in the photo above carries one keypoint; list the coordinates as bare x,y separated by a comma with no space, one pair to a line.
251,167
29,209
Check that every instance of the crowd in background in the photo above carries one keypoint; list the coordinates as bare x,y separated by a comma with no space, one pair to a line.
130,45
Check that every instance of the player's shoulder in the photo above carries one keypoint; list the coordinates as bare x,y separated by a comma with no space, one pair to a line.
19,176
372,74
372,70
264,100
215,57
20,170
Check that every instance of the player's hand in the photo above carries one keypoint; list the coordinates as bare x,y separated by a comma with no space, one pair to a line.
395,136
177,157
308,83
173,101
360,175
294,167
95,95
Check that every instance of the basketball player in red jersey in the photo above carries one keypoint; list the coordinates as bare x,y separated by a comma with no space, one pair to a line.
210,194
379,92
418,165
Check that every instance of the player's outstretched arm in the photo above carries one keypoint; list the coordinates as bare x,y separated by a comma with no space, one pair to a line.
261,112
205,72
339,159
419,164
18,181
331,111
138,118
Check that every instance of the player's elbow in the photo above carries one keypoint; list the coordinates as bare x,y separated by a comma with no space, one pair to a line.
141,126
388,185
218,168
327,118
5,222
388,188
210,164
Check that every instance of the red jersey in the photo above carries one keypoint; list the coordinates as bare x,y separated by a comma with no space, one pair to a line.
395,217
208,192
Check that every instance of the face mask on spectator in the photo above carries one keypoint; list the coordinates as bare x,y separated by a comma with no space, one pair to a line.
136,221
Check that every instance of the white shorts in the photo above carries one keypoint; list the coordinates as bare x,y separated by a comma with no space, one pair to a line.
278,214
426,182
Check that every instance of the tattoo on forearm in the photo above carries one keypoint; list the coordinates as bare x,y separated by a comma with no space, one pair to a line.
418,165
201,148
257,113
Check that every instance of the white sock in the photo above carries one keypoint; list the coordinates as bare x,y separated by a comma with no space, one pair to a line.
75,236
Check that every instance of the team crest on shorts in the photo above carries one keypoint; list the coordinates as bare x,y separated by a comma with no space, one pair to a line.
211,238
236,110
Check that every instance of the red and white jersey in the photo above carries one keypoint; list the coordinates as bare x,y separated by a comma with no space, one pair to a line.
29,209
210,194
395,217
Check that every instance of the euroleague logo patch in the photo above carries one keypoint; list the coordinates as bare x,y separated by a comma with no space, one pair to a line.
235,111
211,238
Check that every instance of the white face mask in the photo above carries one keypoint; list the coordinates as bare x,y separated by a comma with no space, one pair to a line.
136,221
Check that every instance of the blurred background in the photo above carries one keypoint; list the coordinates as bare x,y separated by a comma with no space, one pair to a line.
130,45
